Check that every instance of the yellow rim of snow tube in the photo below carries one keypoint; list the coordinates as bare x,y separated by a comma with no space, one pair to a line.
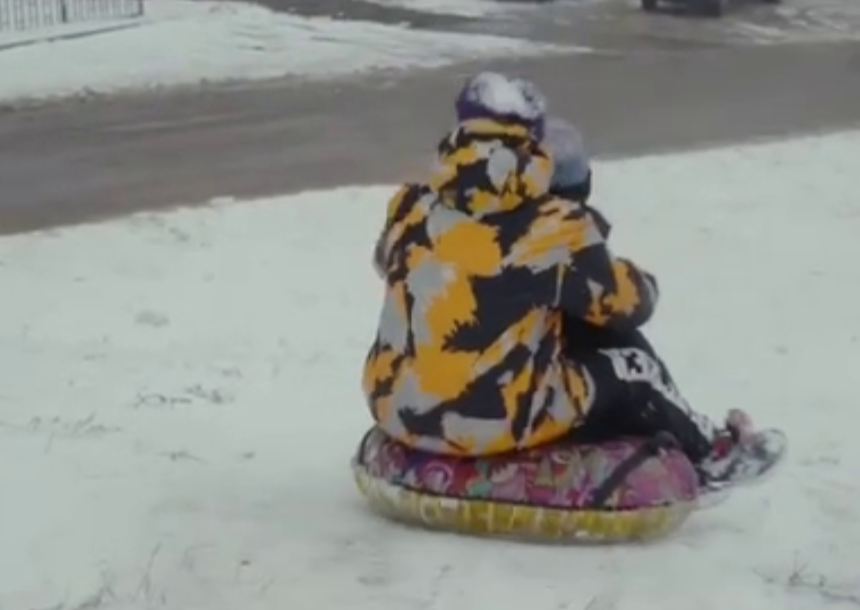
481,517
610,492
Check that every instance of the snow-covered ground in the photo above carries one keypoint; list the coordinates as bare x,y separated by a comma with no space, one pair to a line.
179,401
155,11
10,39
186,42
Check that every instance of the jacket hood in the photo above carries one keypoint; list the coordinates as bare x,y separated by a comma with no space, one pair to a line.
486,166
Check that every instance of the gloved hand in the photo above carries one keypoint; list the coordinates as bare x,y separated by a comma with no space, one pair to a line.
651,279
600,221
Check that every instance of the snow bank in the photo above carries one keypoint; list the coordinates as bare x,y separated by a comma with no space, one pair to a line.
189,41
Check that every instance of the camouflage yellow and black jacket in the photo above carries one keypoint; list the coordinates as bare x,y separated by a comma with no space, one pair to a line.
479,263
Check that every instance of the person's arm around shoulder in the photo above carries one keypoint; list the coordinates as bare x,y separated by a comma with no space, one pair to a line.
596,286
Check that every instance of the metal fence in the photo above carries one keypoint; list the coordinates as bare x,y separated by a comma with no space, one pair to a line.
21,15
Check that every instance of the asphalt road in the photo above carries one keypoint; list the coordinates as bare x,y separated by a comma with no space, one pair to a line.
79,161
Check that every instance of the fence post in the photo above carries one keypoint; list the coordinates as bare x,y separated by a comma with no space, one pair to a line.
64,12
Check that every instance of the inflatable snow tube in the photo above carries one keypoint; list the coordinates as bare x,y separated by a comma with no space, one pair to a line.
631,489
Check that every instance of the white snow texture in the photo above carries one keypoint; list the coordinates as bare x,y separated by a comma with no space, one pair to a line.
180,400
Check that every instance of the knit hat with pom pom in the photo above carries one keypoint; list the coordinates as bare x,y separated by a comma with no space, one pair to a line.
490,95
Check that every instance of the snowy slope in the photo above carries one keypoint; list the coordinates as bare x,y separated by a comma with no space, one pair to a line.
179,399
185,42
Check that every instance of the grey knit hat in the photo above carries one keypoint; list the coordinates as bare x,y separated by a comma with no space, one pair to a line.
571,166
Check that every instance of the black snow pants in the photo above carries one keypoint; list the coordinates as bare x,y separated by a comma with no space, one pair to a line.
635,394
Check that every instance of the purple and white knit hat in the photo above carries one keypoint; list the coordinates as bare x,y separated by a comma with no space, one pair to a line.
490,95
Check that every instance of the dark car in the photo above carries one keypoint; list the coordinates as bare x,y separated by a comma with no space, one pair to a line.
710,8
